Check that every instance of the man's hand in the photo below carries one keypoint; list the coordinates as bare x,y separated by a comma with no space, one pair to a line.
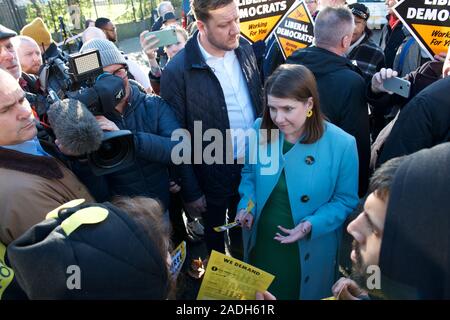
298,233
106,124
379,77
196,208
174,188
64,150
244,218
266,295
347,289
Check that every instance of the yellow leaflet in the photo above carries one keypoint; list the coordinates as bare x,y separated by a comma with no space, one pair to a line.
250,205
226,227
227,278
178,257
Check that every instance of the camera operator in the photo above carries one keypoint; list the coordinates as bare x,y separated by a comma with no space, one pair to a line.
152,122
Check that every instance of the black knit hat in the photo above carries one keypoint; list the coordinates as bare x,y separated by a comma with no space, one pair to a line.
360,10
115,257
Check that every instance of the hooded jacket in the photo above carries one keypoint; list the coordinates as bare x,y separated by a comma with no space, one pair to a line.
342,98
415,250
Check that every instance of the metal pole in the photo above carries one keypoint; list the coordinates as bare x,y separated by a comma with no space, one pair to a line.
95,7
134,11
142,10
53,16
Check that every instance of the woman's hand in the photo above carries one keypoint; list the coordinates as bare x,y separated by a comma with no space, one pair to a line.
298,233
244,218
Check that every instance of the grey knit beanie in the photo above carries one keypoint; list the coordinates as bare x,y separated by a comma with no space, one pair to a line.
109,54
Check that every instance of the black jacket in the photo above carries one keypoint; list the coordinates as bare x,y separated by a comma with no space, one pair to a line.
152,122
342,98
423,122
390,41
189,85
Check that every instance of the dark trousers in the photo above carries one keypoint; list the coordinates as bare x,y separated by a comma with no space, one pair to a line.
221,210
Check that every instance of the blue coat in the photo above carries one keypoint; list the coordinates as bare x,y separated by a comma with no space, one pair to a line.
322,182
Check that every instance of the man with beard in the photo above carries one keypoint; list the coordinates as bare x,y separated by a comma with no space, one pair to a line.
215,80
403,230
30,55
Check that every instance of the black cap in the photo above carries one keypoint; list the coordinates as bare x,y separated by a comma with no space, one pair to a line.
169,16
360,10
6,33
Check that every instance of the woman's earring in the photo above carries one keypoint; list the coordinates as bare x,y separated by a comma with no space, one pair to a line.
309,113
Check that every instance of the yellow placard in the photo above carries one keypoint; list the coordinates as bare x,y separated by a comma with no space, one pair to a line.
258,18
295,30
428,22
227,278
437,38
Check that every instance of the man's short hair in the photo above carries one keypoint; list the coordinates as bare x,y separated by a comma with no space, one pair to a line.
201,8
382,178
102,22
332,24
19,40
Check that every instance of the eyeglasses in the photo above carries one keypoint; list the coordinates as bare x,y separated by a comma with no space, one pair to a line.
111,30
122,72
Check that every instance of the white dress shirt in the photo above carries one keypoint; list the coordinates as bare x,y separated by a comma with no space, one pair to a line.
237,97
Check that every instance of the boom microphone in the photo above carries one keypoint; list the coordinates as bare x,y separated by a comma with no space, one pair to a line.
75,127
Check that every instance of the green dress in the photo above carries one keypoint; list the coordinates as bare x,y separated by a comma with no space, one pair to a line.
281,260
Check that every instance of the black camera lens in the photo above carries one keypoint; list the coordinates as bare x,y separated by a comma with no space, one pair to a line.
111,153
115,153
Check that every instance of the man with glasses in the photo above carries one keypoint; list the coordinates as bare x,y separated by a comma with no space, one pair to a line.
108,28
152,122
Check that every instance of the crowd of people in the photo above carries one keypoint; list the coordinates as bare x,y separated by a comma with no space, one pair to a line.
296,152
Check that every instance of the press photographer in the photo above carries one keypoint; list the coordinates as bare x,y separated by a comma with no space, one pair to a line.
151,122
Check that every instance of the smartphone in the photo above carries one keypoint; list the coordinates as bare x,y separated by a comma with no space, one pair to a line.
166,37
398,85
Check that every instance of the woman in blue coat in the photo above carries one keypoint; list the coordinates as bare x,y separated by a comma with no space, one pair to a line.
303,195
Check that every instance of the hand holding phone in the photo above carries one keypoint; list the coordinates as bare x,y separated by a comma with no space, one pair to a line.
397,85
166,37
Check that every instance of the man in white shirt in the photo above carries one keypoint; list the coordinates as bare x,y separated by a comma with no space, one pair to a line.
215,80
